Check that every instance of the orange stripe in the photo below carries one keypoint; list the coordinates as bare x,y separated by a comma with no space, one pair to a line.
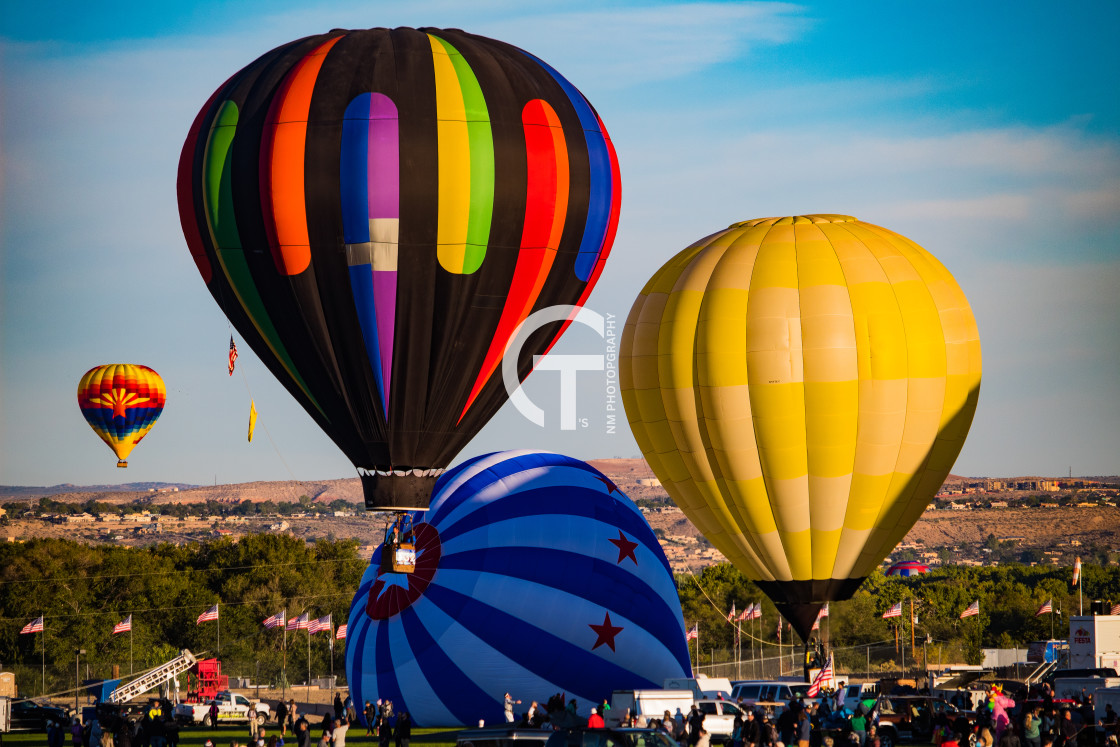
284,148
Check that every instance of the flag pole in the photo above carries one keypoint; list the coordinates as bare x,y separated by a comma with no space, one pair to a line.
130,669
284,655
44,641
309,661
218,619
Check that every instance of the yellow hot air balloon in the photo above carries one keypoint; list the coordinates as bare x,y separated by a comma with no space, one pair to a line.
801,386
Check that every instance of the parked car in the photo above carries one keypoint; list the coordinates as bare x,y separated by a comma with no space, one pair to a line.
30,715
647,704
910,718
719,718
232,709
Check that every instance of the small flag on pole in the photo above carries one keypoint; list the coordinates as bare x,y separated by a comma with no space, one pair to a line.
824,610
275,621
208,616
823,677
300,622
895,611
1047,606
318,626
694,633
124,626
35,626
731,614
817,622
252,418
747,613
1115,609
1076,572
232,354
973,610
340,634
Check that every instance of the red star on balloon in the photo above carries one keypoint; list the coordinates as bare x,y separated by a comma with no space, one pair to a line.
625,547
611,487
605,632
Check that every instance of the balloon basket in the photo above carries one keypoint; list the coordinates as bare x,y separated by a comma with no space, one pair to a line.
121,463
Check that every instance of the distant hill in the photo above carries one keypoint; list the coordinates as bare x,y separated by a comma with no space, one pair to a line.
15,492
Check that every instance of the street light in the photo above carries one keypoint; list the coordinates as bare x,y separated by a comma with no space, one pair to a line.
78,654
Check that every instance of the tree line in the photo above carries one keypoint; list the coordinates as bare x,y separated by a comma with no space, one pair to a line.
82,591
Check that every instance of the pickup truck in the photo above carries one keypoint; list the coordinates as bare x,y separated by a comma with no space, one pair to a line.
719,718
232,709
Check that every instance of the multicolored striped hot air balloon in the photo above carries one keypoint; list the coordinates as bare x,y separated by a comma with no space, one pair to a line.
534,575
801,386
377,211
121,402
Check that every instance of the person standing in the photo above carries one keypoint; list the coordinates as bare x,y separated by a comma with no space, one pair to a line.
371,719
337,707
384,728
403,733
803,728
695,725
595,721
339,733
282,717
252,723
302,731
509,701
1032,735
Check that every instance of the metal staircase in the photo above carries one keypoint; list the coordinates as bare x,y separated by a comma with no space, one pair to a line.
153,678
1040,673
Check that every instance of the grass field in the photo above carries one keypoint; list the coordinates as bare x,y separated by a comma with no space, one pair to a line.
222,736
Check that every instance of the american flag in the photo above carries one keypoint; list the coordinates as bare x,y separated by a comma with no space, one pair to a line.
824,610
340,634
1115,609
756,613
275,621
208,616
317,626
301,622
779,630
895,611
693,634
1047,606
731,614
973,609
747,613
816,623
823,676
124,626
35,626
232,354
1076,571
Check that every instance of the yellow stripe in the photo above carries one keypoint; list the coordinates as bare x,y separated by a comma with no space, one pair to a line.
454,163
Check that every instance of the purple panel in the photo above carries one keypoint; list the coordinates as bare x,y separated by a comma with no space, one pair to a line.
384,159
385,302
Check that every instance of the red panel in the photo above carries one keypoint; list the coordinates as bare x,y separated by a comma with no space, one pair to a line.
546,206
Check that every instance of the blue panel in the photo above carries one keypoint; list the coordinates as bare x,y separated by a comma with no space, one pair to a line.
353,165
361,285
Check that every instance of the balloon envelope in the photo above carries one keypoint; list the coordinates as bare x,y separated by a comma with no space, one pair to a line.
907,568
801,386
534,575
121,402
377,211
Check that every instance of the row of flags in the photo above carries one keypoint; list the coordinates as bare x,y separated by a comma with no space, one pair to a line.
301,622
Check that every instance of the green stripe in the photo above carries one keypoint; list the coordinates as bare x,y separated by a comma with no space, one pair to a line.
217,199
481,139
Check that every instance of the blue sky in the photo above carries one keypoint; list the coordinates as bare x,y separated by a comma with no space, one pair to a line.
988,133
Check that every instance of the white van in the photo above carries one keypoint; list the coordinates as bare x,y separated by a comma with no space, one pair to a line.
701,686
647,704
769,691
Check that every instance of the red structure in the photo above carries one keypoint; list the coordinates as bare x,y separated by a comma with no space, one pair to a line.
205,680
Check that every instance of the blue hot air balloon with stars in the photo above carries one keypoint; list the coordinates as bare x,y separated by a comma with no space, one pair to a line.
533,574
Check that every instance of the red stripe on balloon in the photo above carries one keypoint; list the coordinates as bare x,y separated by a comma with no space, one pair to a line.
608,236
546,206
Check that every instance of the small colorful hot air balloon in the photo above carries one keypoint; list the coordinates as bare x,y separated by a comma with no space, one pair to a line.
376,211
533,574
907,568
121,402
801,386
